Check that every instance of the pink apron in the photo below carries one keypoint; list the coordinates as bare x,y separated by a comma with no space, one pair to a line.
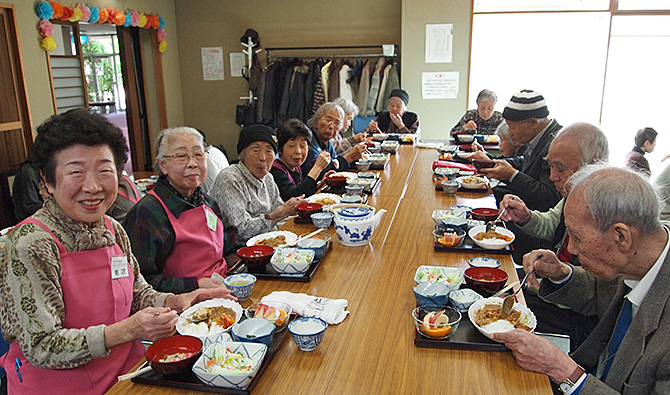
92,297
198,250
136,196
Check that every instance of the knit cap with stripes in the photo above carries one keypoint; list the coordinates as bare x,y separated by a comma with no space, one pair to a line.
524,105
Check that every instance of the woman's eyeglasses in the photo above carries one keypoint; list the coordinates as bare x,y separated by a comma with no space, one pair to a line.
183,158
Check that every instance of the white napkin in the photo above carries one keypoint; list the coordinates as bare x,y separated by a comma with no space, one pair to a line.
330,310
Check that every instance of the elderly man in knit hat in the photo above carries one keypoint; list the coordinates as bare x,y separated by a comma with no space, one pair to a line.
397,119
247,191
528,176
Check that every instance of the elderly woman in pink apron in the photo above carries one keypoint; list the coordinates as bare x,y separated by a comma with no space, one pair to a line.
74,304
179,234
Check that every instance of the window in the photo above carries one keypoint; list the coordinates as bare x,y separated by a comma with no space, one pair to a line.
592,63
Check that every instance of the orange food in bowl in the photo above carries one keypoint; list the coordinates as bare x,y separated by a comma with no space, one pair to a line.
449,240
436,332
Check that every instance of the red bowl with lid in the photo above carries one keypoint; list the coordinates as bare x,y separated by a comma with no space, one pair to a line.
255,257
336,182
484,214
485,280
175,354
307,209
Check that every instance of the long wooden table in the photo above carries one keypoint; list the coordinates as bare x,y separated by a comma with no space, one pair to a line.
372,351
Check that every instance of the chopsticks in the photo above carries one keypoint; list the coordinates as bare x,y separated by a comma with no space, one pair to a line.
143,369
311,234
507,288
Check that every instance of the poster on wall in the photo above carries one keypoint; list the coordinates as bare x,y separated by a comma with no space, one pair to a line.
236,64
439,43
439,85
212,63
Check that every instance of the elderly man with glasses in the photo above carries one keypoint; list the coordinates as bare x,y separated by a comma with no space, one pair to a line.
178,233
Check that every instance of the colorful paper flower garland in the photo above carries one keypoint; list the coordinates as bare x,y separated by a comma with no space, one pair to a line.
47,10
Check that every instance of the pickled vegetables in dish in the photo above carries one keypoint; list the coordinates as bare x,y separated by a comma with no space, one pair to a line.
226,361
436,275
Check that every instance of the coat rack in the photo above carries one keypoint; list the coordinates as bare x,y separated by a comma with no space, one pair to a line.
331,52
249,51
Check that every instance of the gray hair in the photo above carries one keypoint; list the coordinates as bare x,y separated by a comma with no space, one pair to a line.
166,135
503,131
486,94
589,138
347,105
613,194
322,110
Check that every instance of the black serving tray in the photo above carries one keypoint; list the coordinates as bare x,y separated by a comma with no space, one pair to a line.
340,191
269,272
190,381
468,245
466,337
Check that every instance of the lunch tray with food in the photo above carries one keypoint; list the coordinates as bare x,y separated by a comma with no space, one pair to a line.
340,191
269,272
468,245
466,337
189,381
439,178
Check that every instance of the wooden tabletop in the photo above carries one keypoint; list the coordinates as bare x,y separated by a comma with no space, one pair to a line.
372,351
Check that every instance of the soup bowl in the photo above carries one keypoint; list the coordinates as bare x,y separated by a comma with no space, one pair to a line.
485,280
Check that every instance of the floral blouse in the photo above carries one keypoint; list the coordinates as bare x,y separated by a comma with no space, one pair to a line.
32,309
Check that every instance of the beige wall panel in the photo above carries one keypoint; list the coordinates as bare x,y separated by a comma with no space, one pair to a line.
210,105
437,116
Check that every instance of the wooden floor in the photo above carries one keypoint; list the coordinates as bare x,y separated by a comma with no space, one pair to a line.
372,351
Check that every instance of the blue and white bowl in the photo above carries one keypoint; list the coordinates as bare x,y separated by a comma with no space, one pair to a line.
253,351
484,261
322,219
253,330
431,294
240,285
461,299
307,332
281,263
318,244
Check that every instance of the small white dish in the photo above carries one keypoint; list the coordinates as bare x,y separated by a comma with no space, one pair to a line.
484,261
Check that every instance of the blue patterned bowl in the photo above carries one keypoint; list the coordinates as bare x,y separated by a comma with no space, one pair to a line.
322,220
253,330
431,294
240,285
307,332
283,261
253,351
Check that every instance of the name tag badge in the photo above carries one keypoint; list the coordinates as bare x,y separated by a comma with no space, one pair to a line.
120,267
211,220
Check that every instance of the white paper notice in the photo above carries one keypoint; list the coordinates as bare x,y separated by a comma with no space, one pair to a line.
439,85
389,49
439,42
212,63
236,64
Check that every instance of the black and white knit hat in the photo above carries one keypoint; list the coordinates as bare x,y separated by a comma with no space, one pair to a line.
524,105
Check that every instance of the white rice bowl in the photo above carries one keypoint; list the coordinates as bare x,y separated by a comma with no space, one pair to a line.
491,244
528,318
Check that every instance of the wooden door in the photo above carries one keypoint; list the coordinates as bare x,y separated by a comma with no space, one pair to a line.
15,127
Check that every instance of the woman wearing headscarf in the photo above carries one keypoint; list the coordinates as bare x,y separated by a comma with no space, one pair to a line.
397,119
